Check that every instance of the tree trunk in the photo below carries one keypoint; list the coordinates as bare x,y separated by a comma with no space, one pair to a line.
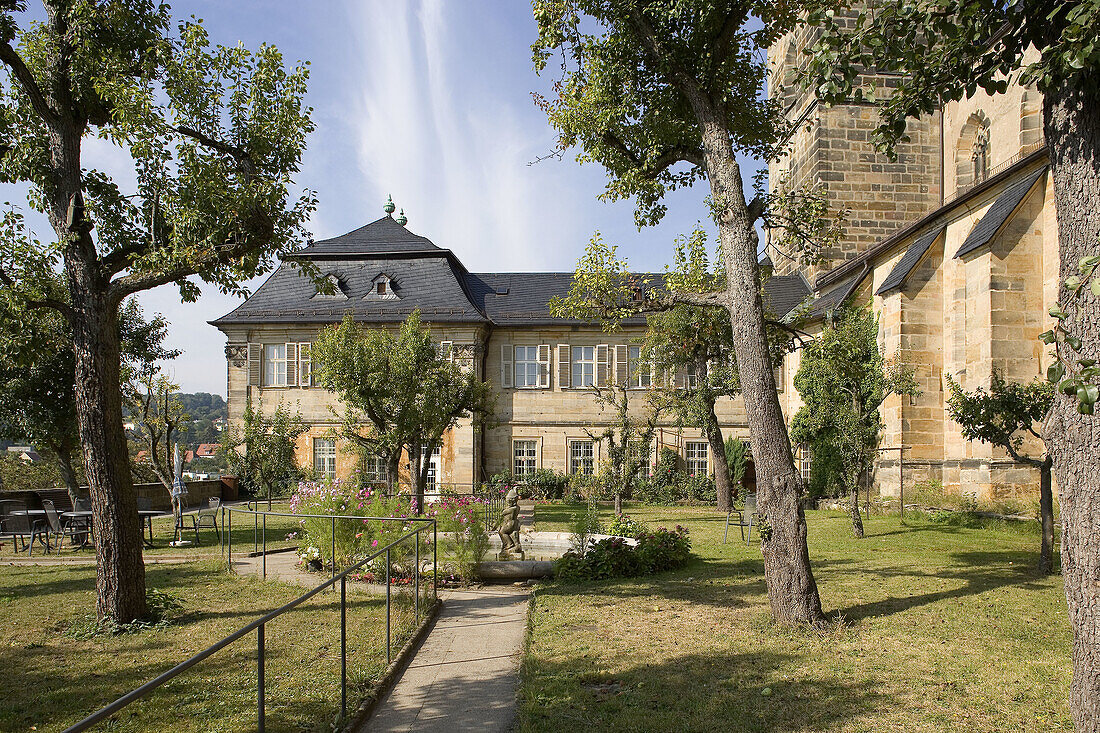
68,473
120,576
1072,125
415,477
792,590
857,521
1046,518
721,467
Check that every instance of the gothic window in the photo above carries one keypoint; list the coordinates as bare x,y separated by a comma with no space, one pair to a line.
980,154
973,158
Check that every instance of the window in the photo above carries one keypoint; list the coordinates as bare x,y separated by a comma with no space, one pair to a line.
980,154
527,366
692,380
375,470
432,484
523,457
275,365
641,373
380,288
805,461
324,457
581,457
584,366
695,456
640,456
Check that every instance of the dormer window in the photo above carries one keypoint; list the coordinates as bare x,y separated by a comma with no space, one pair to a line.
335,288
382,288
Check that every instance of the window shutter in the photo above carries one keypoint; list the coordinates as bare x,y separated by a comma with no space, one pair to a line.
292,365
305,364
602,368
255,357
506,370
679,380
622,365
544,365
565,366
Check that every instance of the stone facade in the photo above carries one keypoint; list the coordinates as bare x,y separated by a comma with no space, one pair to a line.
501,313
975,300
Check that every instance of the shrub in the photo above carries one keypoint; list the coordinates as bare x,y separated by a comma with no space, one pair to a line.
701,489
460,520
353,538
547,484
654,493
583,526
623,526
612,557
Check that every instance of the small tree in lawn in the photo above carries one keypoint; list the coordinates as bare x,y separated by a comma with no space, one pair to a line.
628,438
152,401
262,452
1003,416
215,135
400,388
737,459
843,380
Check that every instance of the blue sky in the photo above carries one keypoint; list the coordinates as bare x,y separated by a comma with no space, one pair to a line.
429,101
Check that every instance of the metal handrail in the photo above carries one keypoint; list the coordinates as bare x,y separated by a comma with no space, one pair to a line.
258,625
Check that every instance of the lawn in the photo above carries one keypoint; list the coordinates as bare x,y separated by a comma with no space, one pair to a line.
941,628
56,673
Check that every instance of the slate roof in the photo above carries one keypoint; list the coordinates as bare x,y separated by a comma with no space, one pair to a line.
432,284
429,278
831,299
384,236
909,260
998,213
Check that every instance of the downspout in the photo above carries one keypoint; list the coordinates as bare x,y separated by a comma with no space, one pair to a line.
481,427
943,161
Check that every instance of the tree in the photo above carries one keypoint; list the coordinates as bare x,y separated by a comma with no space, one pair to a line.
262,451
737,458
160,416
628,438
1004,416
944,50
843,380
663,94
37,375
215,135
401,388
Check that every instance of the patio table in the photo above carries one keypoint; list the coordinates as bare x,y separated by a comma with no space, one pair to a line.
35,516
146,520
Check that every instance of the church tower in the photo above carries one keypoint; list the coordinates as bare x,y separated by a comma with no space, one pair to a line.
831,149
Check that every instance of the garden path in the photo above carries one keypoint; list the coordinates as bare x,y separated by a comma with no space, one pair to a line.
465,674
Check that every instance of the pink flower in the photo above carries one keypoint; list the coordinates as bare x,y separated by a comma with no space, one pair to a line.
374,543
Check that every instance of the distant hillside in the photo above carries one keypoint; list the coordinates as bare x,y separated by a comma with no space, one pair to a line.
203,405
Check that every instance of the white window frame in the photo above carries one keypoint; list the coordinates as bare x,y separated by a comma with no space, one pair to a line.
527,366
275,365
637,376
696,457
805,461
585,362
324,457
375,469
527,462
577,459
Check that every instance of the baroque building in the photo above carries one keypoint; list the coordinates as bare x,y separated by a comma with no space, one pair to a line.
955,246
542,368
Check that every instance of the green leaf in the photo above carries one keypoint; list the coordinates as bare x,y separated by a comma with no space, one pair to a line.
1055,372
1047,337
1073,283
1057,312
1095,287
1074,342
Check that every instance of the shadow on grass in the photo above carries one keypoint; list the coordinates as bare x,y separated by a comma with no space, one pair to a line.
720,691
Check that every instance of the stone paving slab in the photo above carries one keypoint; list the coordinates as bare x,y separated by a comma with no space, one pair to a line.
464,675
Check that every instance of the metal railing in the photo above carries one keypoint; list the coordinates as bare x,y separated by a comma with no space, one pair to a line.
423,525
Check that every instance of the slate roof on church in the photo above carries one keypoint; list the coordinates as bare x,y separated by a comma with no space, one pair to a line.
998,213
427,277
909,260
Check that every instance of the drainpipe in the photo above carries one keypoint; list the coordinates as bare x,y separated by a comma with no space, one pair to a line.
481,427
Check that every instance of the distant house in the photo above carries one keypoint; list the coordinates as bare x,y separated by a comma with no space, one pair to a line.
207,450
25,453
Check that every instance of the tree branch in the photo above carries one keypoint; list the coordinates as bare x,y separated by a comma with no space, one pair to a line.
242,156
39,303
665,160
27,81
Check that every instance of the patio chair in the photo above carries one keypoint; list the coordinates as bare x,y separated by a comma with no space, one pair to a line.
17,527
145,504
208,516
744,518
56,528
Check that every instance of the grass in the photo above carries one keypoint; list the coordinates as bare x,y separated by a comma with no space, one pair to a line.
56,672
935,628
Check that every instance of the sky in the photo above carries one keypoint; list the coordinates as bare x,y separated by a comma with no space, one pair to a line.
428,101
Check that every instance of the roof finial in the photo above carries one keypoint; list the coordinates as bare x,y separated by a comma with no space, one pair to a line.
402,219
388,207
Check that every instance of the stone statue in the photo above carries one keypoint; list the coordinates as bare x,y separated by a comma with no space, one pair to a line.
508,529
